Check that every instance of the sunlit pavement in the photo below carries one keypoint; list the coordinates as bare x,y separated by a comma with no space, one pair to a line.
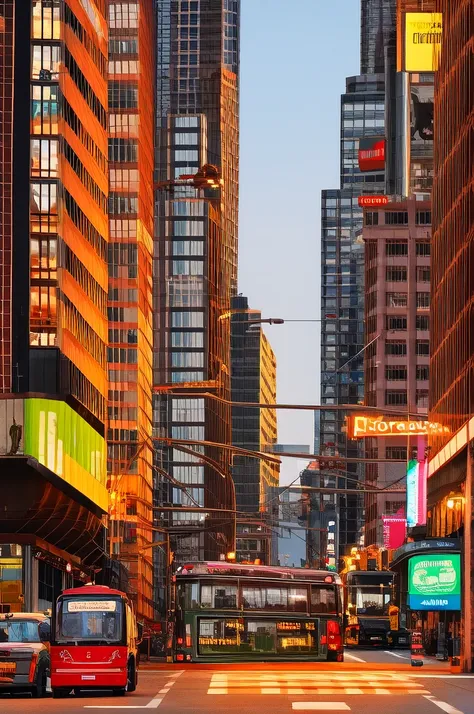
279,688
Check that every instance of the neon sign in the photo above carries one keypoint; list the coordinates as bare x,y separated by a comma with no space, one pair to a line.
361,427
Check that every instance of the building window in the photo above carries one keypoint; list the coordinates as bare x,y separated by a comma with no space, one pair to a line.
423,372
396,218
396,347
396,323
423,348
396,452
423,249
422,322
188,267
371,218
423,218
123,15
395,373
395,397
123,95
189,474
397,299
187,319
422,398
423,274
187,359
187,339
123,150
185,410
423,301
396,274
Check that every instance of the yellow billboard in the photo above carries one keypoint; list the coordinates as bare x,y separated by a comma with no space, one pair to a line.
423,32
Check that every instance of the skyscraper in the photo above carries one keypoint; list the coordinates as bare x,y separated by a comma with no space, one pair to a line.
195,269
130,255
53,284
377,28
253,379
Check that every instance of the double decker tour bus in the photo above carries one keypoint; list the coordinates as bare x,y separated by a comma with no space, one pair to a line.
367,598
235,613
94,641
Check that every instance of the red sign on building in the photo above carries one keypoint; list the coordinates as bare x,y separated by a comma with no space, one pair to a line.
372,154
373,200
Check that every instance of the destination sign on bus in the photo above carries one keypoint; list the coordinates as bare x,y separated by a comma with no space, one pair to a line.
92,606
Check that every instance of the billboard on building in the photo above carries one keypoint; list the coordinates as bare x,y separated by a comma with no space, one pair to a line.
65,443
423,34
371,153
421,113
434,582
394,531
11,427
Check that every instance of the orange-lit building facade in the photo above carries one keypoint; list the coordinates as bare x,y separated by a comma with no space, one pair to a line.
131,141
53,286
452,338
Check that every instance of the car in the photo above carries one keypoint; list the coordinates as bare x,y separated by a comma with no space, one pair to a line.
24,652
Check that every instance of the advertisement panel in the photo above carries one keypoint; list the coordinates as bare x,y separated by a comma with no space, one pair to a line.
11,427
421,114
61,440
434,582
423,34
394,531
371,154
412,493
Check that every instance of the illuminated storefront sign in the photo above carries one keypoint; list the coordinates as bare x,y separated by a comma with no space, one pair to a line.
416,493
423,33
61,440
371,154
434,582
372,201
360,427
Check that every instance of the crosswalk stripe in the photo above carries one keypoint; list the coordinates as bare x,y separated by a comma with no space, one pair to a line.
321,706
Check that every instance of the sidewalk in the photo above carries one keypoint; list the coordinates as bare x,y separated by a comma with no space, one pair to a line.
431,665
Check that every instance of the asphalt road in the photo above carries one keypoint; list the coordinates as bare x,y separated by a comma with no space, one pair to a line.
276,689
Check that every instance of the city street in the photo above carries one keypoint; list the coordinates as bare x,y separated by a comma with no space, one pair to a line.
278,689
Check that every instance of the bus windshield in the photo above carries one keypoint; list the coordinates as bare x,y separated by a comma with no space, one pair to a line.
85,619
370,600
19,631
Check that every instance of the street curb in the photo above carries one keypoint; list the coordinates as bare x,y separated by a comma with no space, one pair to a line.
306,666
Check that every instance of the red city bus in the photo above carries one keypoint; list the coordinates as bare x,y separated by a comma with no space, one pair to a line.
94,641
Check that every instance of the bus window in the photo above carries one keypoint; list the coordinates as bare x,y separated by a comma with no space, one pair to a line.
274,598
220,597
189,596
100,620
323,598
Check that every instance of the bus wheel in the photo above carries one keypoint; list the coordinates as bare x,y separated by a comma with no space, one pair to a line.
131,676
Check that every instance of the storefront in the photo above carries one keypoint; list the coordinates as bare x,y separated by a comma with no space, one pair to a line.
428,590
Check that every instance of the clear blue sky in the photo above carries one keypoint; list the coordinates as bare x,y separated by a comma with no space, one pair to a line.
295,56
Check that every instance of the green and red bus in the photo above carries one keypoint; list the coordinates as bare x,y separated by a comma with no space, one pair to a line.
234,613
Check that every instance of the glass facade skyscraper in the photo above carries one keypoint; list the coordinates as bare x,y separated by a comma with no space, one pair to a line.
195,270
377,28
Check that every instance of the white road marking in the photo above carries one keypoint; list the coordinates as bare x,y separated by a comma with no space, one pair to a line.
354,690
354,658
154,704
394,654
217,691
270,690
321,706
444,706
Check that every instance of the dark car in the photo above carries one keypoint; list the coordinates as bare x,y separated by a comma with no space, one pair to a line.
24,653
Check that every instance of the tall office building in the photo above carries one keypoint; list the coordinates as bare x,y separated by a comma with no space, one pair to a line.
342,286
397,321
377,27
253,379
130,256
53,285
195,270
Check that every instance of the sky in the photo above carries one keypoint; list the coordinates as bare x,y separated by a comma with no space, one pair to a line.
295,56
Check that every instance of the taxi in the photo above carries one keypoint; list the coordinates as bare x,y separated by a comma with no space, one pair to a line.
24,652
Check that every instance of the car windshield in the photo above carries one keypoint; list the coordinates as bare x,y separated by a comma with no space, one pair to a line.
19,631
86,619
